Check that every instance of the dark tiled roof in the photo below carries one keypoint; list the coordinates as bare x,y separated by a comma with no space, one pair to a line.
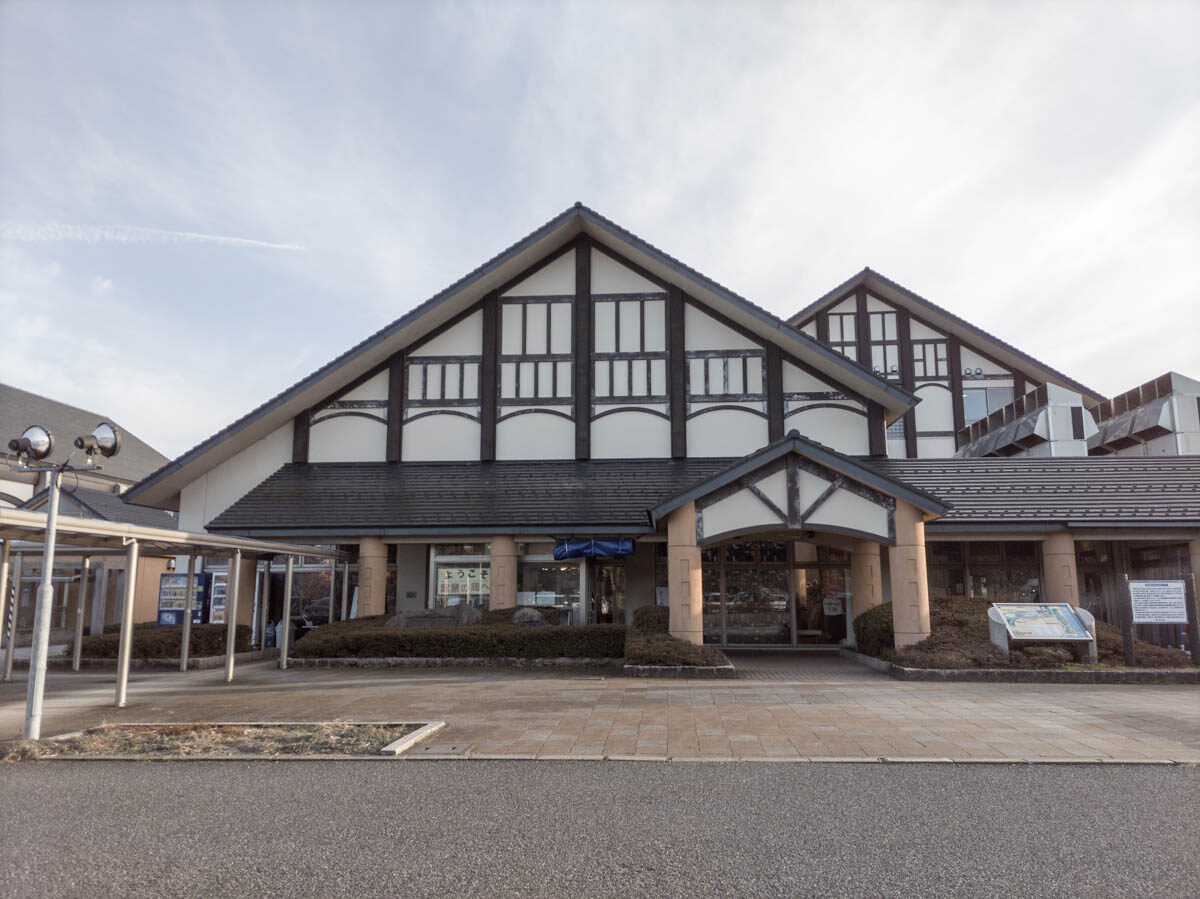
470,497
107,506
919,301
19,409
1130,490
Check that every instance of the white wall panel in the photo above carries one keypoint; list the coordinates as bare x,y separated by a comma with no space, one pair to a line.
973,361
935,447
609,276
842,429
740,512
211,494
935,412
535,435
850,304
849,510
462,339
411,581
436,438
555,279
656,326
703,332
605,327
725,432
375,388
347,438
631,435
920,331
797,380
874,304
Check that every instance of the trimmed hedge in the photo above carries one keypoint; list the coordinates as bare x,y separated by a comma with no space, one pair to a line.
164,642
663,649
652,620
592,641
873,632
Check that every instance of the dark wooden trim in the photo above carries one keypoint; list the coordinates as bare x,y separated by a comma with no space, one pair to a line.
676,373
954,361
581,314
536,267
876,430
862,327
489,378
904,336
300,428
823,327
1018,384
631,265
774,388
397,386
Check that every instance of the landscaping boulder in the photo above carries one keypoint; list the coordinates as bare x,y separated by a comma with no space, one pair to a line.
528,617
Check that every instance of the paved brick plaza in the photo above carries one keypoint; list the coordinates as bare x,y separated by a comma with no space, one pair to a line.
802,708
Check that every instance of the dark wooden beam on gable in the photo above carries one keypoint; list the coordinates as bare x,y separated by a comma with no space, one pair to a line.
876,429
904,333
774,366
397,388
862,327
676,373
300,427
954,361
489,377
581,315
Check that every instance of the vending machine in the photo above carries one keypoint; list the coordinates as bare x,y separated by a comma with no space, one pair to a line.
172,600
216,598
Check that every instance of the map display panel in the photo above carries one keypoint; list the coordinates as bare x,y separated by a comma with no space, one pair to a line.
1041,621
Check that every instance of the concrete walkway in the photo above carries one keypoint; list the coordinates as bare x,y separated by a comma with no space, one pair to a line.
829,708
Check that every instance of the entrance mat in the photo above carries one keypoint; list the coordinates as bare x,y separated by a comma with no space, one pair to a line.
233,740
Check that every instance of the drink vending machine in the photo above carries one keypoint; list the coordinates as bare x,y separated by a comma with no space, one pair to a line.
172,602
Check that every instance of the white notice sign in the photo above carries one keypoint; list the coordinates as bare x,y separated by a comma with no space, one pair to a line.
1158,602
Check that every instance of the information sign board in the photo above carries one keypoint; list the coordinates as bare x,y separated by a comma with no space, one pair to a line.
1041,621
1158,602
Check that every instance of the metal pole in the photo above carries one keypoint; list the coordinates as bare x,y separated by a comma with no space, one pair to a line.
100,600
4,552
345,590
231,601
81,607
189,592
126,645
265,604
41,621
332,586
11,622
1127,621
287,612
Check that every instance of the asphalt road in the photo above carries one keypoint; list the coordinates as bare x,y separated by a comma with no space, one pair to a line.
596,829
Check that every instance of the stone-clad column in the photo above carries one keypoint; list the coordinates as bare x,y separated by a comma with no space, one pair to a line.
372,577
910,580
685,590
866,577
504,573
1058,565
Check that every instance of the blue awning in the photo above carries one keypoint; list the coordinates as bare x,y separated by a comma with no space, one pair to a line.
590,549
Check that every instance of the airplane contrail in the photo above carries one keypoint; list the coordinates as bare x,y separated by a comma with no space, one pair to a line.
31,233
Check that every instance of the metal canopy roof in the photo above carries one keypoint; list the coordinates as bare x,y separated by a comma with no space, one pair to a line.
101,536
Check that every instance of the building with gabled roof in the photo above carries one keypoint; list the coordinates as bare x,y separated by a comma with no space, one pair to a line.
585,384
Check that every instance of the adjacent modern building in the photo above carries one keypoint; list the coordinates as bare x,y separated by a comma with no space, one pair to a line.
773,478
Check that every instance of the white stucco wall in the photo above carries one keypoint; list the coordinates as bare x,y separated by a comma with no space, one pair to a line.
462,339
557,278
211,494
703,332
609,276
348,438
535,435
442,437
631,435
725,432
935,412
842,429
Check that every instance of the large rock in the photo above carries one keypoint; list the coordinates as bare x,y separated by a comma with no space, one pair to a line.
528,617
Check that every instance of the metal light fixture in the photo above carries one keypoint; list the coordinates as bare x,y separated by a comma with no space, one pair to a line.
105,439
37,443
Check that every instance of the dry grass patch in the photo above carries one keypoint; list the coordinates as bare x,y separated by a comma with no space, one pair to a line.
200,740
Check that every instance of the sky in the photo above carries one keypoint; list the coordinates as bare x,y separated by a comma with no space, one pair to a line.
201,203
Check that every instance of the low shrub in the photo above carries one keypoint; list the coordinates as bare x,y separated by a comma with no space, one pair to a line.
115,627
663,649
164,642
652,620
591,641
501,617
873,632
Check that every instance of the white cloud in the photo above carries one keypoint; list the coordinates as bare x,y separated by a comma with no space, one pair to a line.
47,232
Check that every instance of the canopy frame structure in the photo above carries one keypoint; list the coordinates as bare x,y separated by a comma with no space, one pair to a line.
24,532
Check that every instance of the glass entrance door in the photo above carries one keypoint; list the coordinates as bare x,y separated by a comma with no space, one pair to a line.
758,609
608,592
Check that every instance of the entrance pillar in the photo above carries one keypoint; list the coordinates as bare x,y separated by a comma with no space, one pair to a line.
910,580
504,573
1058,565
866,577
372,577
685,591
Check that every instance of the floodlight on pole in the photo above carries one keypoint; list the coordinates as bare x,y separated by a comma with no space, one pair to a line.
35,445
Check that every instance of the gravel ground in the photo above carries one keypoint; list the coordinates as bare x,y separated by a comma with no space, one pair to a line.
504,828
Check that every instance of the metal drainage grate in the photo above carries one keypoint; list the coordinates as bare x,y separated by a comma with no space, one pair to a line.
457,750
